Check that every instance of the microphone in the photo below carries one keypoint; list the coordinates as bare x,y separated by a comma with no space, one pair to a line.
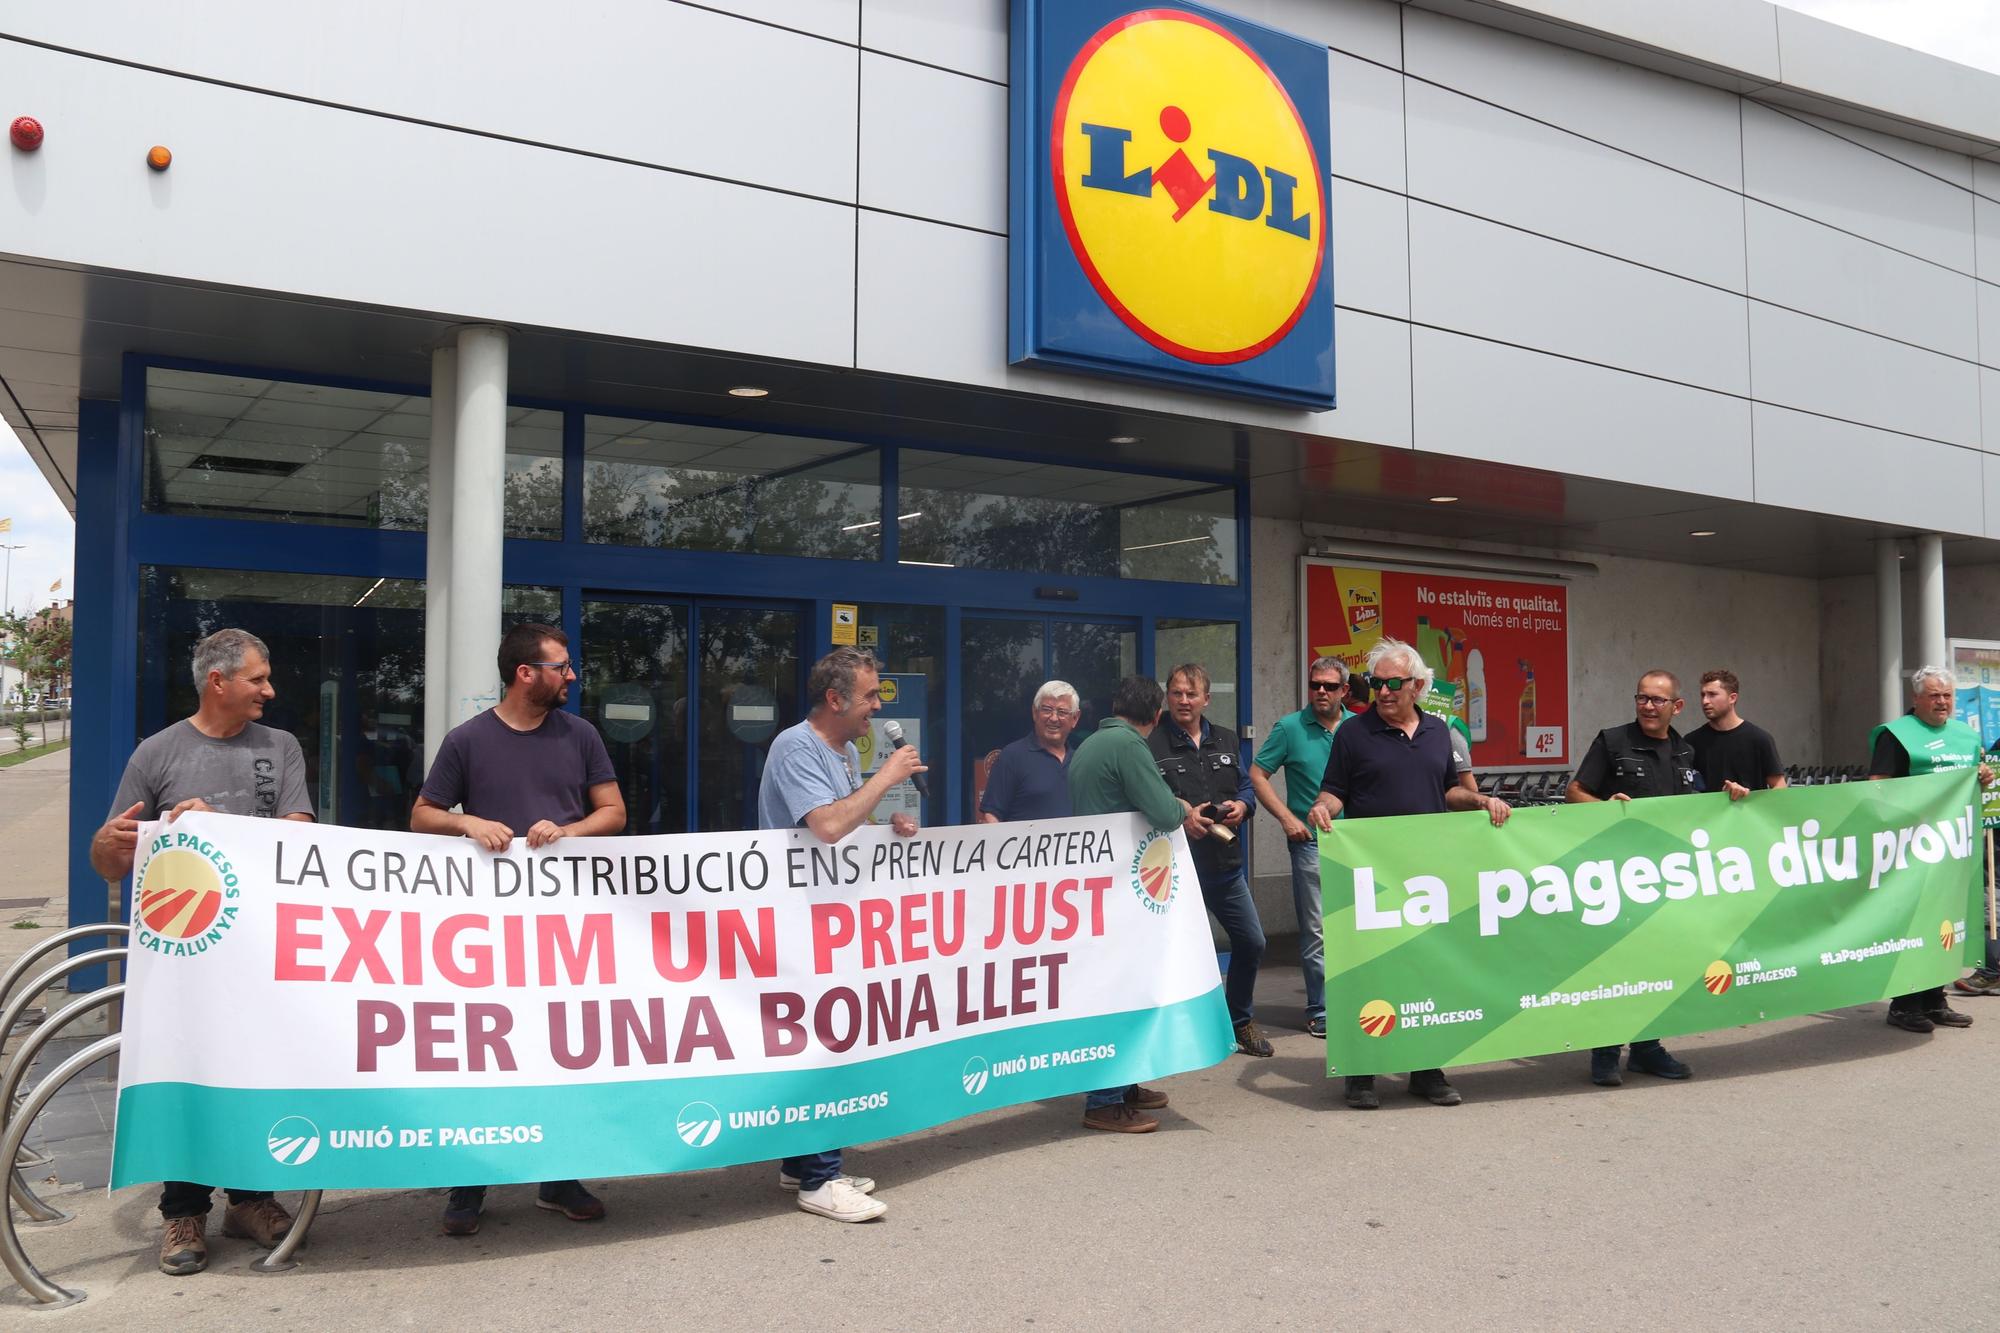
892,731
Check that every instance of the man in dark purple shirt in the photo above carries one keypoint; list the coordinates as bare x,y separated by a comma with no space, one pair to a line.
523,768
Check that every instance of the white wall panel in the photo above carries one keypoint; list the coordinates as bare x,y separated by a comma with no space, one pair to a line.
654,82
1986,219
969,36
1371,29
1805,363
1483,400
1668,120
1989,407
1731,34
409,217
1987,296
1485,161
1371,251
1991,463
933,143
1807,170
1815,464
1826,58
932,304
1940,162
1481,278
1366,121
1815,268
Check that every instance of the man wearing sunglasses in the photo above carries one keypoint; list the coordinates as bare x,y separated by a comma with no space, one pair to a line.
1299,744
1395,759
1645,757
523,768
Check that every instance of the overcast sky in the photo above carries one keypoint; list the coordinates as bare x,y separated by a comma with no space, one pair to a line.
1967,31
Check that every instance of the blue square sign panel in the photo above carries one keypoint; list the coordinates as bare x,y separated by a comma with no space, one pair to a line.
1168,200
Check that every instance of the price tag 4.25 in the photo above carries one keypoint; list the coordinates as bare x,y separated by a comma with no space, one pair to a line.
1545,742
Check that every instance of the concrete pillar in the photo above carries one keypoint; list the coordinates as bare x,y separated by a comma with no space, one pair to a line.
1888,628
1930,601
437,551
478,485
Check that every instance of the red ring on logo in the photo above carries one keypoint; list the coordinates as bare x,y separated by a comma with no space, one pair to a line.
1082,253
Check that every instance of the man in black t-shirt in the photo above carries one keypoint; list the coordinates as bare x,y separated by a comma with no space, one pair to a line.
1645,757
1732,755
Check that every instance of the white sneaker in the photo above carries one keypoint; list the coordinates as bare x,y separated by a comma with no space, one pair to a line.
790,1183
842,1202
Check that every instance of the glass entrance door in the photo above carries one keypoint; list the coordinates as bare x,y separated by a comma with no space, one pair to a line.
1005,660
688,694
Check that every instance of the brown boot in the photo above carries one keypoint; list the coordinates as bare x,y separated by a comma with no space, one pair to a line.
1144,1098
264,1221
1121,1118
184,1248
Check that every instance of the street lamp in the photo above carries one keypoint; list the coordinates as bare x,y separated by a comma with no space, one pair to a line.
7,588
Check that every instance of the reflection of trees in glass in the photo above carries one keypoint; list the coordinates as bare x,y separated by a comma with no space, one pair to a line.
830,509
1184,541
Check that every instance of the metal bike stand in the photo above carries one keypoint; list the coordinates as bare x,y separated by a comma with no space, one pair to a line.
36,1210
23,1269
280,1260
19,967
40,1213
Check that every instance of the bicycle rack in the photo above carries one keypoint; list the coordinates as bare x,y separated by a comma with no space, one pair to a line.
17,1115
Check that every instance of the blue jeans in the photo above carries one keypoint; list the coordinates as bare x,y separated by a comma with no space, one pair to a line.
1233,906
814,1169
1103,1097
1312,943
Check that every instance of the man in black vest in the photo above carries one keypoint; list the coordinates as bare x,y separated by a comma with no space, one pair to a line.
1200,762
1645,757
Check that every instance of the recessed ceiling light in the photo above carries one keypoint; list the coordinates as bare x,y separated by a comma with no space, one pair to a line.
1124,439
749,391
1702,532
1444,499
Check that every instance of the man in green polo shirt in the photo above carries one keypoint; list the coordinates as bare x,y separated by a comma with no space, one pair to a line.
1298,744
1113,772
1927,739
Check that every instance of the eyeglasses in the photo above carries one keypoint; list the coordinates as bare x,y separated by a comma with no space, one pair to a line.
1333,686
574,668
1053,710
1652,701
1389,684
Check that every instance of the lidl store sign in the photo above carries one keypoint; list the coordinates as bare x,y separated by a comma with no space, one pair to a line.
1169,199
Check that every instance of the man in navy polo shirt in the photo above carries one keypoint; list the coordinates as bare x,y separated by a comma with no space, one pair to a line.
1395,759
1030,779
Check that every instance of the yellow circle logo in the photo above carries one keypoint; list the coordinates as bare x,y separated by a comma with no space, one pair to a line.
887,692
1188,186
1718,977
1378,1018
180,894
1155,872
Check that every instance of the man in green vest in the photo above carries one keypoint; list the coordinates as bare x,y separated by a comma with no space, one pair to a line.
1927,739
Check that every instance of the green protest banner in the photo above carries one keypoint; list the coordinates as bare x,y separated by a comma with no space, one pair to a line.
1449,941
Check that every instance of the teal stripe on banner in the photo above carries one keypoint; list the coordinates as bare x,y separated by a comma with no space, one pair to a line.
367,1138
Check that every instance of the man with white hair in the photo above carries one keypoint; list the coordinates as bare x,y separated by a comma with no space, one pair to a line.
1395,759
1030,778
221,759
1927,739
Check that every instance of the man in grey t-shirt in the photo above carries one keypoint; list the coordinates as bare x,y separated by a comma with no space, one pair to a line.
220,759
812,780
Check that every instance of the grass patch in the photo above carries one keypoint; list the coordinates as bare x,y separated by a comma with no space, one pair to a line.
32,752
27,925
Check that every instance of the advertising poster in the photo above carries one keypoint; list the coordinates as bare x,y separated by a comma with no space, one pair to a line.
1976,664
1499,646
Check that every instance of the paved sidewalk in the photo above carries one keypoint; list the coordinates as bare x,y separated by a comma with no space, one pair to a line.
57,729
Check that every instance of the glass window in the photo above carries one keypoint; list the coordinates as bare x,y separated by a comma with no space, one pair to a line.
1211,644
909,641
697,488
990,513
230,446
347,663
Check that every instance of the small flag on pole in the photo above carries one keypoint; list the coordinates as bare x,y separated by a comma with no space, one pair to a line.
56,586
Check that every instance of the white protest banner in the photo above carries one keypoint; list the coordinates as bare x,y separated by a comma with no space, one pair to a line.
317,1007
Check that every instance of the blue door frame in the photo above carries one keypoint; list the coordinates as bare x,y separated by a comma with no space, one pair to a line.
117,536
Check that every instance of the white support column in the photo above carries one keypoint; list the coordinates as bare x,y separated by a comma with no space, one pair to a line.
1930,601
1888,628
478,483
437,551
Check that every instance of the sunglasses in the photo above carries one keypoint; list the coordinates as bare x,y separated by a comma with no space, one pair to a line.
1333,686
1388,683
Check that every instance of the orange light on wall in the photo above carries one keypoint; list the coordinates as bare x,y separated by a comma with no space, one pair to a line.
158,158
26,133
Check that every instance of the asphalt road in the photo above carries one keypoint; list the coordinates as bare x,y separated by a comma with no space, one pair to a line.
1825,1173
